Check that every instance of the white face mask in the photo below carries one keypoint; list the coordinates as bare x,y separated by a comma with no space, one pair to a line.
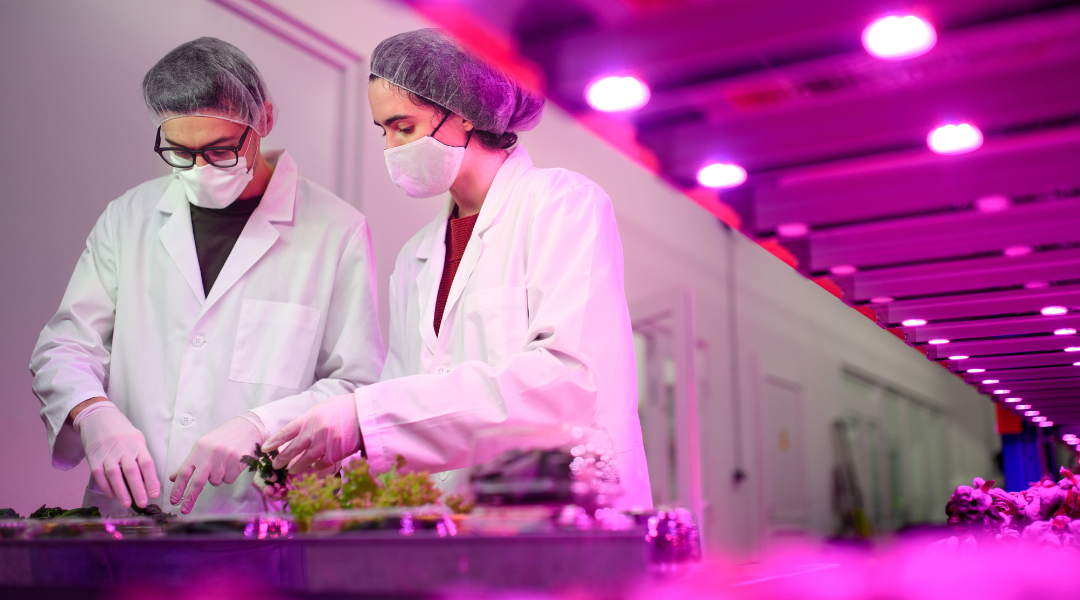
426,167
214,187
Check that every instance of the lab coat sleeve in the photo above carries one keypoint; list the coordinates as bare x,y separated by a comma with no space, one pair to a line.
70,363
576,306
351,351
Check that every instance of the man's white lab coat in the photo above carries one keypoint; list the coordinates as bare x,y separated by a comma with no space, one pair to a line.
290,321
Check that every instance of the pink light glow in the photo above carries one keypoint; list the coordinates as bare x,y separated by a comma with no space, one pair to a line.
898,37
989,381
1073,349
617,94
1065,331
955,138
1036,285
976,370
993,204
1014,251
1013,399
791,230
999,392
721,175
1053,311
1072,441
843,269
1076,364
1046,423
1031,413
913,322
959,357
1038,419
938,342
882,300
1022,406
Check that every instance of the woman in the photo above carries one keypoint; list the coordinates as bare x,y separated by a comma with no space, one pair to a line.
507,308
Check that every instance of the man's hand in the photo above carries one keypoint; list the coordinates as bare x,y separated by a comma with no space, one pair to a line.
215,459
324,435
117,453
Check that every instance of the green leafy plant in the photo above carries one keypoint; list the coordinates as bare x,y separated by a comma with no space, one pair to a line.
90,512
458,505
272,482
155,512
312,494
9,513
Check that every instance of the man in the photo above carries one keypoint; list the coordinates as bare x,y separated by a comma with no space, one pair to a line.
210,307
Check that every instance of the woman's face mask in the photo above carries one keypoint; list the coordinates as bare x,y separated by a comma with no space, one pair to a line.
425,167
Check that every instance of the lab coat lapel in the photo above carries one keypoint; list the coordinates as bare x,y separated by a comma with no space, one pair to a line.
514,166
178,239
260,233
432,250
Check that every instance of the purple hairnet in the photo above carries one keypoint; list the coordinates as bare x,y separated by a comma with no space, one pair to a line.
428,63
209,78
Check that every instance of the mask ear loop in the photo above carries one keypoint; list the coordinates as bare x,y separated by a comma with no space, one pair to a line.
439,126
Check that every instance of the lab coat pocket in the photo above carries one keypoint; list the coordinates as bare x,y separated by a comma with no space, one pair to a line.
496,323
273,343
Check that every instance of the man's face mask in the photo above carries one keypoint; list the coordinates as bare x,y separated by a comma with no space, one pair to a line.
426,167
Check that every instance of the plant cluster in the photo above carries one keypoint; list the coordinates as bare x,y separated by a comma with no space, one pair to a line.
1048,512
90,512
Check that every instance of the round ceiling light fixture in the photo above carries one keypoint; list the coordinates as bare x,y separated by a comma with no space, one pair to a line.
897,37
792,230
721,175
615,93
1018,250
955,138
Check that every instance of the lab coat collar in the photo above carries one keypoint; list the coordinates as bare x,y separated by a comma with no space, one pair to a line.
255,240
432,248
516,163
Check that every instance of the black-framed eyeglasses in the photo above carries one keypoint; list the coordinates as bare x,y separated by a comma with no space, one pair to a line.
184,158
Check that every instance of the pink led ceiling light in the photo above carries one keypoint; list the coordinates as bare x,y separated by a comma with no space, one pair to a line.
1073,349
843,269
721,175
1031,413
1002,392
897,37
1012,400
617,94
959,357
990,381
1038,420
792,230
955,138
1053,311
938,342
1046,423
1065,331
976,370
1022,406
913,322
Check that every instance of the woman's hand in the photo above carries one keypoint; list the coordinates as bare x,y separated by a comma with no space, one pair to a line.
327,433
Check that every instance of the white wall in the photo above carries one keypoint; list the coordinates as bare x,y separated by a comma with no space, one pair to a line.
784,326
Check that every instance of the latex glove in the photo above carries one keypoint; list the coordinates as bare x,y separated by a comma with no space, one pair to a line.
117,453
214,459
324,435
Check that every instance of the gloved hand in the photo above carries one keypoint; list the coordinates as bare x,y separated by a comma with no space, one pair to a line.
327,433
117,451
215,459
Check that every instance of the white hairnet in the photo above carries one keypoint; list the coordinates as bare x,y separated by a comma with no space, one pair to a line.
428,63
209,78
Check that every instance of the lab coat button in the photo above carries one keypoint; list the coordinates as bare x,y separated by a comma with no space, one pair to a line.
198,341
186,421
441,371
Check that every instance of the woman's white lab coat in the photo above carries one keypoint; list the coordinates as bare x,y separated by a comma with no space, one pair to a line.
535,330
290,321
